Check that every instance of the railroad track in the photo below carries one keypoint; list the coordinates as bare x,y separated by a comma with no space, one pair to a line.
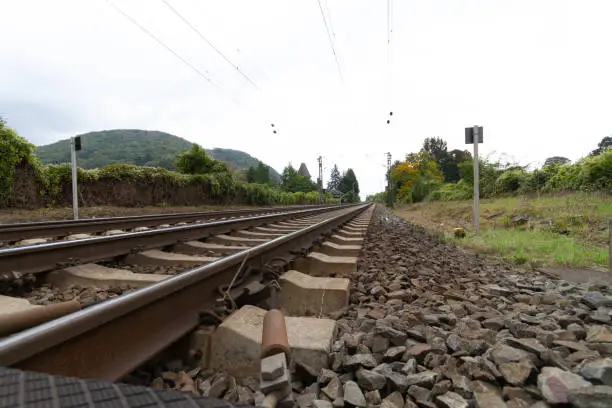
45,231
238,259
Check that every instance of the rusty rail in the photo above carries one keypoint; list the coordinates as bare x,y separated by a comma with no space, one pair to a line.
45,257
19,231
111,339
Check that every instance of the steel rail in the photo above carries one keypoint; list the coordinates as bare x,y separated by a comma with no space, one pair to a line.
19,231
45,257
111,339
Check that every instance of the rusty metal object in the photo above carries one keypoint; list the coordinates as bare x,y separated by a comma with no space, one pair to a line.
111,339
45,257
274,337
25,319
16,232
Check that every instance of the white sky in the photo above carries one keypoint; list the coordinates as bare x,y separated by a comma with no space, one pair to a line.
537,74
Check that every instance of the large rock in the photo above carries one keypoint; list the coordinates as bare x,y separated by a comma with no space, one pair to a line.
393,400
333,390
555,384
370,380
597,299
452,400
488,400
321,404
516,373
424,379
600,370
353,394
598,396
529,344
599,334
419,393
501,354
363,360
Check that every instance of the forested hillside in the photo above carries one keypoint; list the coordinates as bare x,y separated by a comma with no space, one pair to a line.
139,147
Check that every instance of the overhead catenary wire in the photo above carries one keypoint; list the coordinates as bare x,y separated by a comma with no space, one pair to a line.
331,23
331,42
176,54
225,58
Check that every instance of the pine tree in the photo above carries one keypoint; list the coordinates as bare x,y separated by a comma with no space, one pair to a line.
334,179
349,186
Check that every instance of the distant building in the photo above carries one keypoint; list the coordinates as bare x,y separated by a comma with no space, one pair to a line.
303,171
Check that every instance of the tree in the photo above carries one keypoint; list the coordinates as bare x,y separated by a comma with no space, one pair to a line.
259,174
349,186
437,149
606,143
404,176
447,162
195,160
451,174
334,179
293,182
556,160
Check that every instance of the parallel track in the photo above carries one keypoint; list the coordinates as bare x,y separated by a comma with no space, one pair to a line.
20,231
110,339
44,257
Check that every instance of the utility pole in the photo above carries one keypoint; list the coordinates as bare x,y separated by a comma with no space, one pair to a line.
389,192
474,135
75,144
320,180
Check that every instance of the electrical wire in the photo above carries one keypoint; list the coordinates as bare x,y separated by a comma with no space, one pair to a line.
331,42
179,15
177,55
329,17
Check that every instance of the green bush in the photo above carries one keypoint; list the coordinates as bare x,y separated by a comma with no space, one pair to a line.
452,192
14,151
510,181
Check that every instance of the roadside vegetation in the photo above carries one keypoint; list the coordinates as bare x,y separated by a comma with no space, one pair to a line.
565,229
556,215
199,179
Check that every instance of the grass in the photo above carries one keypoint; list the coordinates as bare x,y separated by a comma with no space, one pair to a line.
564,230
536,248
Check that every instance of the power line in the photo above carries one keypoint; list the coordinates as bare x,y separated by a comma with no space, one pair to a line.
160,42
331,43
210,44
331,23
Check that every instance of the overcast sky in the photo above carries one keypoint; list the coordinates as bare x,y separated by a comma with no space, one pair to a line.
537,74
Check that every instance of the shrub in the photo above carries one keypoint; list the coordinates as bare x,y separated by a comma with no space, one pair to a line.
14,151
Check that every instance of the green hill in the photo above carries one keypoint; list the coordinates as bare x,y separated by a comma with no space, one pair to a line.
140,147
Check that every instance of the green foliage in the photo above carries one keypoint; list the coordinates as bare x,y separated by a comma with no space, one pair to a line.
293,182
556,160
605,144
260,194
349,187
195,160
592,173
380,198
139,147
447,161
334,179
259,174
14,151
510,181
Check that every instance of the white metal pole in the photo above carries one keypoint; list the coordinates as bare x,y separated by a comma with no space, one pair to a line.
476,180
75,196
